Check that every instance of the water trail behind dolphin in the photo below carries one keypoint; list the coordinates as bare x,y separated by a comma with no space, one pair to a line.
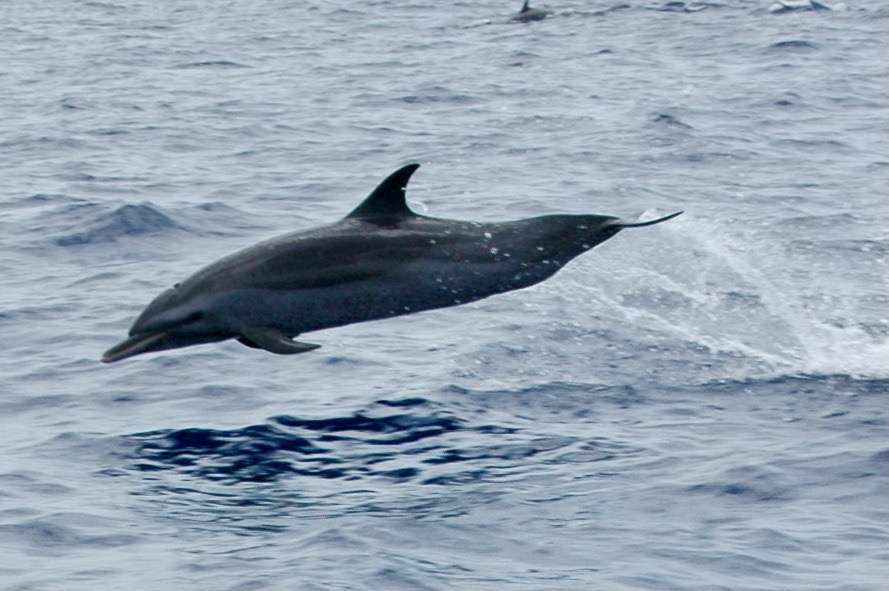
735,302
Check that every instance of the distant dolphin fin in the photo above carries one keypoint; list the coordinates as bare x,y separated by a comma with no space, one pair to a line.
388,199
274,341
623,224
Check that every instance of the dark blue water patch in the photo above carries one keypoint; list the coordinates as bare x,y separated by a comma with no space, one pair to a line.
710,157
784,100
671,121
405,428
108,132
404,402
349,447
209,64
105,5
746,483
792,45
408,439
75,104
611,9
439,94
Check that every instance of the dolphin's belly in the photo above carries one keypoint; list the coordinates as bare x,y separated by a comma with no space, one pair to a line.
405,291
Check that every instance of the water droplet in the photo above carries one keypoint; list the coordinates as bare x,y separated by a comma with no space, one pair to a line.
488,235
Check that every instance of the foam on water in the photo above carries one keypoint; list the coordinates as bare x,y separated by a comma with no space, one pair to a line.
817,347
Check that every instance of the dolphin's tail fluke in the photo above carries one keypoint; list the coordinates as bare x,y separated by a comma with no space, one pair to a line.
623,224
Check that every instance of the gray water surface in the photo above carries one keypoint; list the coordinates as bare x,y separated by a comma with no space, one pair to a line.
698,405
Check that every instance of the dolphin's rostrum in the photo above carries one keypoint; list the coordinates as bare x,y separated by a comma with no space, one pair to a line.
381,260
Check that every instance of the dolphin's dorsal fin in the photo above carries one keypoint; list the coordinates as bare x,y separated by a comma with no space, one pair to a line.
525,7
388,199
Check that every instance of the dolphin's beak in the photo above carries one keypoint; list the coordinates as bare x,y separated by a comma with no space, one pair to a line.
624,224
136,344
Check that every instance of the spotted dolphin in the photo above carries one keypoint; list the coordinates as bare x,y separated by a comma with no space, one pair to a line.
380,261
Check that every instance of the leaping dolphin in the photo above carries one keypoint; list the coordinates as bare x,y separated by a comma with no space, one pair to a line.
381,260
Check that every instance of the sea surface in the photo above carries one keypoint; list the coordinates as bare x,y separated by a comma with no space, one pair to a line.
700,405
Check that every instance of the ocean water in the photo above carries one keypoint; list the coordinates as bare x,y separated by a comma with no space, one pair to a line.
699,405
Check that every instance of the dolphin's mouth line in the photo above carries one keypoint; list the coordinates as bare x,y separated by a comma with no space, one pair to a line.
132,346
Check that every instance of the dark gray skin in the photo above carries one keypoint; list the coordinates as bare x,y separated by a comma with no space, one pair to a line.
528,14
381,260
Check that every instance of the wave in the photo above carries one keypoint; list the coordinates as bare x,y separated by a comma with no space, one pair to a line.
210,64
98,225
126,220
792,45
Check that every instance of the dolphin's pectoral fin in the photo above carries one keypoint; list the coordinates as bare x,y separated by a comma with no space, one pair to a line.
248,343
274,341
